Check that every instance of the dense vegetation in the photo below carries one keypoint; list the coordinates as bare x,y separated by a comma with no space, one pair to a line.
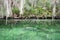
34,8
15,11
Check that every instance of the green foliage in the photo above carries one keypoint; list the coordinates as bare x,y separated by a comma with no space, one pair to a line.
33,11
43,7
15,10
38,11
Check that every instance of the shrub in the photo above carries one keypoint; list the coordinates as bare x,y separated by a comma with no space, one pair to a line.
15,10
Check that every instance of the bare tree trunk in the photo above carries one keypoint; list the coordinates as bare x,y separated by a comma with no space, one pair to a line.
35,3
22,6
54,9
1,11
7,4
7,10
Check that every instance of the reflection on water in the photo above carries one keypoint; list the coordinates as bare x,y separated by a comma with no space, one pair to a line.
25,30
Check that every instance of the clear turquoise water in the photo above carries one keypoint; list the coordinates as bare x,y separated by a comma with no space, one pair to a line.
27,30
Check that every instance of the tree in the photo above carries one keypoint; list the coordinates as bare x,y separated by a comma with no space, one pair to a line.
22,2
54,9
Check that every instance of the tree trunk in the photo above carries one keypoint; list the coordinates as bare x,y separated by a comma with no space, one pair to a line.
7,10
22,6
54,9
